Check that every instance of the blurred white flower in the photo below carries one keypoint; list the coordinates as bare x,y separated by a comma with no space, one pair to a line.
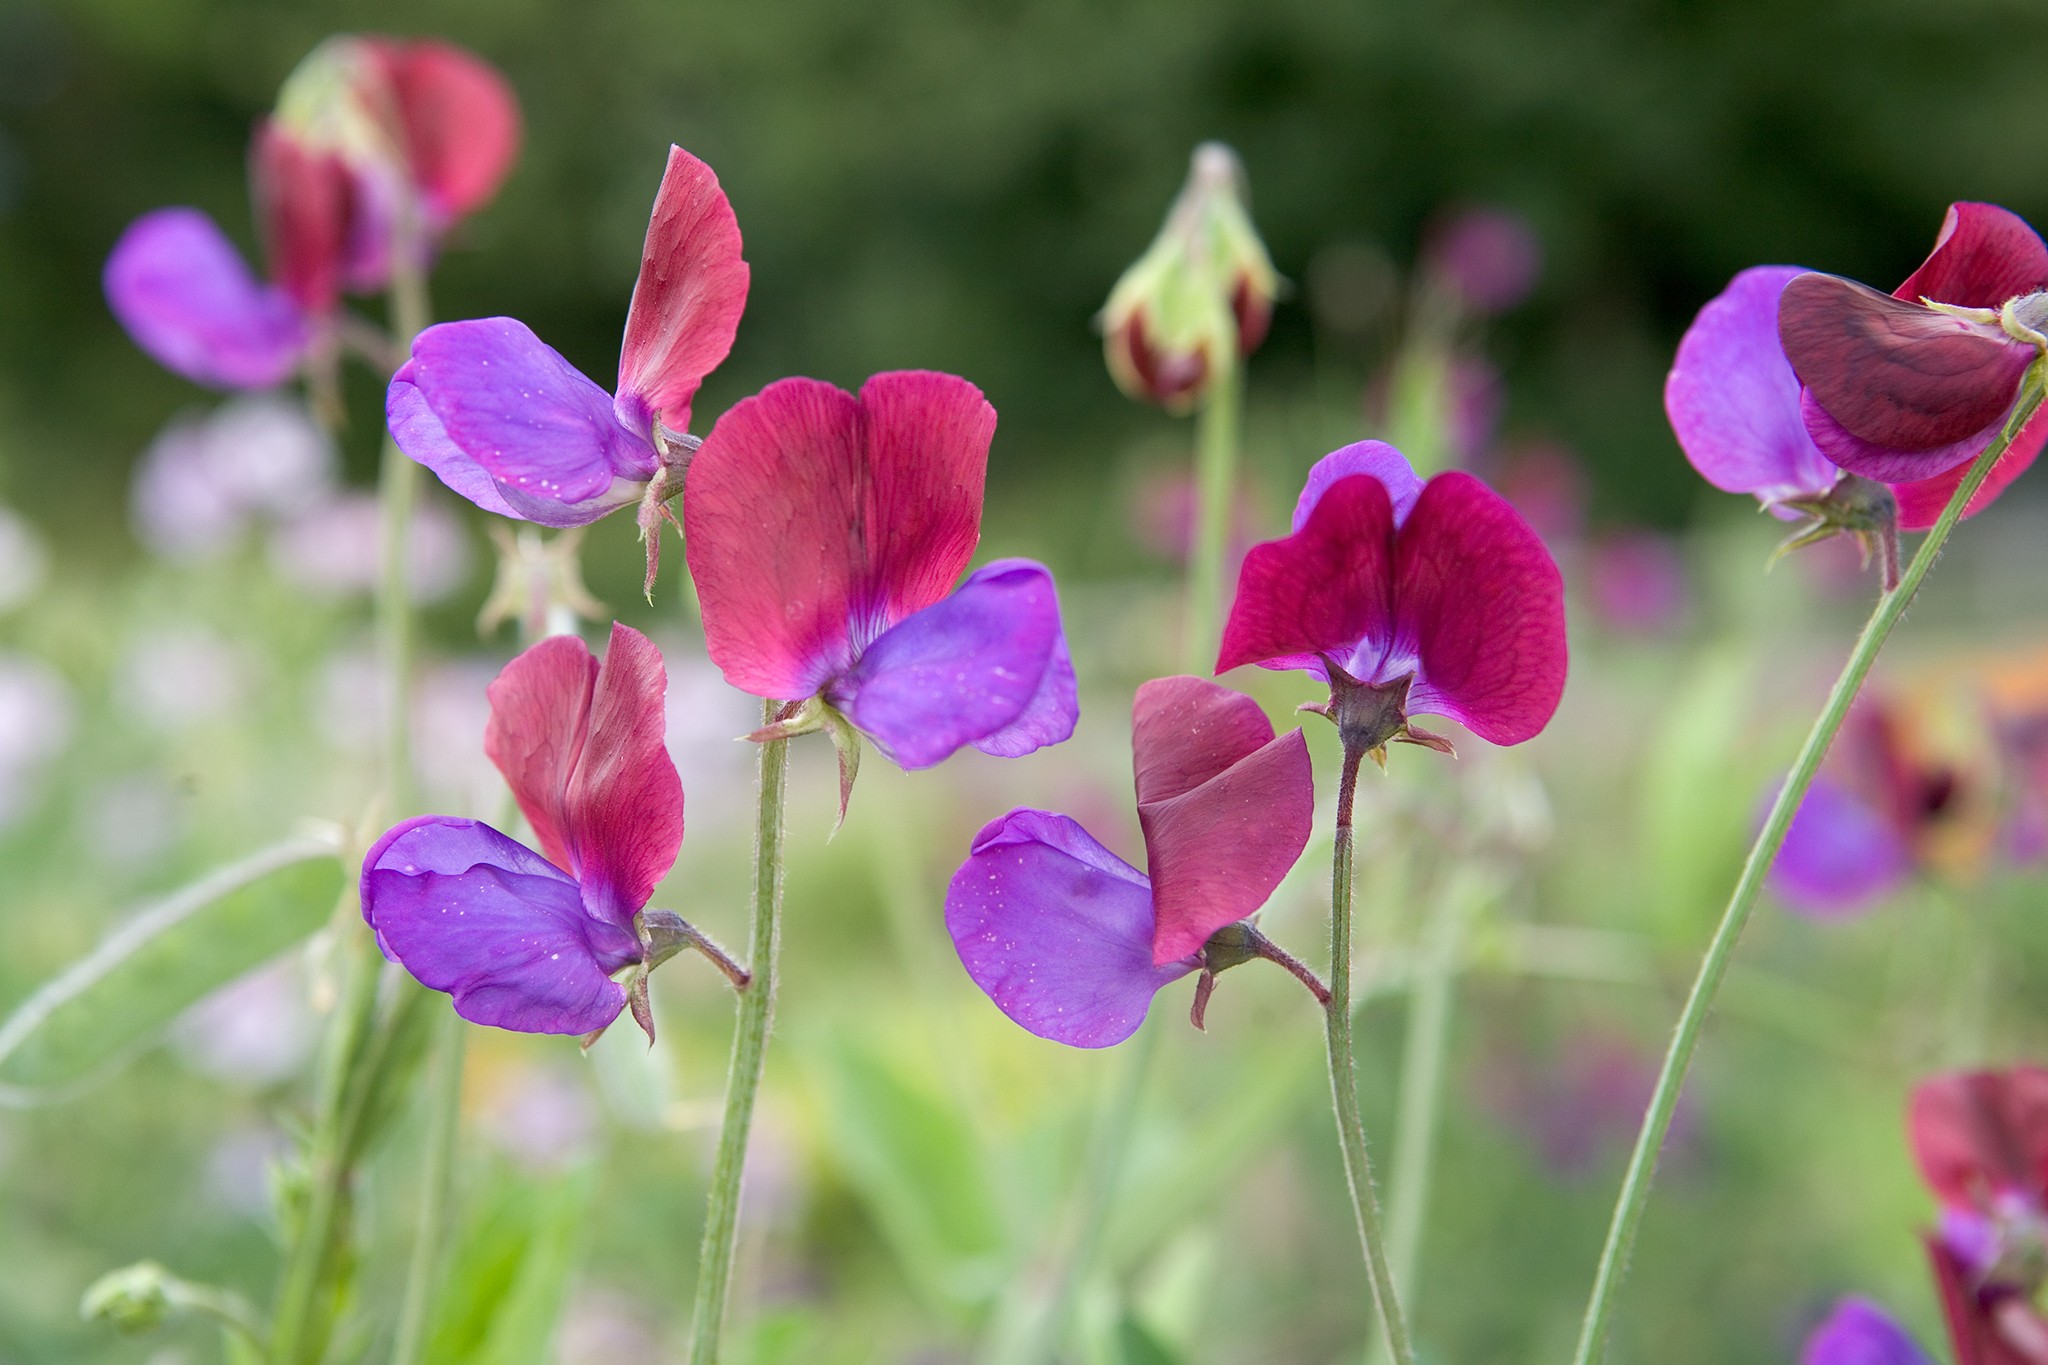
449,713
238,1169
35,724
24,561
205,476
348,699
333,548
128,820
255,1031
543,1117
173,677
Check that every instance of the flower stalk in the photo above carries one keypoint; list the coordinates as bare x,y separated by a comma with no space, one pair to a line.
1891,606
1217,438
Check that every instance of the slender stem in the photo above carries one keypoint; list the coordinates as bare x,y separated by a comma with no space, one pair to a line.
749,1053
1635,1185
1344,1075
444,1121
1217,438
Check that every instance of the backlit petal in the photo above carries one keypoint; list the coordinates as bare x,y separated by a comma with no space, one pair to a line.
1921,503
1983,256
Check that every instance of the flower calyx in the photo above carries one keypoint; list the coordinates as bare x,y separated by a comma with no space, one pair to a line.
663,934
1855,506
539,583
675,452
1239,943
815,713
1370,716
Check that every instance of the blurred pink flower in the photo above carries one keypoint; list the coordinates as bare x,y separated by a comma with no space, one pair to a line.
173,677
1638,583
543,1117
255,1031
334,547
206,476
1579,1106
1547,485
1487,258
35,725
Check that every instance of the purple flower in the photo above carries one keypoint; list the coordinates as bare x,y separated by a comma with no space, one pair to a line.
532,941
1072,942
1488,259
1435,598
1858,1332
1639,582
506,422
825,532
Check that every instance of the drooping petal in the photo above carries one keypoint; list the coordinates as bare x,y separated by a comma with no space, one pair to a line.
1057,930
1921,503
1983,256
1483,602
816,520
1895,374
688,299
480,916
966,668
1978,1134
540,721
625,800
459,119
509,404
181,291
1376,458
1225,805
1733,400
1840,855
1858,1332
1321,590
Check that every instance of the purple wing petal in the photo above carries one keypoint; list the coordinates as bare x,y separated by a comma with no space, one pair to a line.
1322,590
420,435
1839,855
1049,717
1057,930
486,919
1734,401
508,404
179,287
1376,458
969,667
1983,256
1858,1332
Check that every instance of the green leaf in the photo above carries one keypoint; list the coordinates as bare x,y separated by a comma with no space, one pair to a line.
510,1272
108,1005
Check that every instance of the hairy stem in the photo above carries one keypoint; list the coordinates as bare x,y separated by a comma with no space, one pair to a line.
749,1053
1635,1184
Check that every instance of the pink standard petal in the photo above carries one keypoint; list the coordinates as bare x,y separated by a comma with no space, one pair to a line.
1978,1134
1057,930
1733,400
1840,855
460,121
1921,503
183,293
540,720
625,800
1983,256
816,520
1483,603
1858,1332
480,916
1321,590
687,300
1376,458
1223,822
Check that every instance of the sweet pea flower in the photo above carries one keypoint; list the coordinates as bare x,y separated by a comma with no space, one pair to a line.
1981,1141
537,942
504,420
370,133
1858,1332
1435,598
824,533
1912,386
1072,942
1487,259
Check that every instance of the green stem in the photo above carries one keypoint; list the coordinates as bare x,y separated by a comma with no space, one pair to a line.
1344,1075
444,1122
749,1053
1217,438
1635,1185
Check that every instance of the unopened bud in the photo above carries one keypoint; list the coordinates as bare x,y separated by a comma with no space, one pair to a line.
135,1298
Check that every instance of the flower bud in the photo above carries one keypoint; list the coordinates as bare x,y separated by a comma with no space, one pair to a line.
1201,295
135,1298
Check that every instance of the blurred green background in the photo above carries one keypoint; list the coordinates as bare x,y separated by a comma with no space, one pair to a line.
957,186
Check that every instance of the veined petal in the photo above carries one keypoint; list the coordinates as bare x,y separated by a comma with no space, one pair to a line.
1733,400
1482,601
505,402
1921,502
963,669
540,721
1897,375
459,119
1979,1134
1226,809
1858,1332
816,520
1840,855
480,916
1983,256
688,299
1376,458
1323,589
1057,930
185,297
1885,463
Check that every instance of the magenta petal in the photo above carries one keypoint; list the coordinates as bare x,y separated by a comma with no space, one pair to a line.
1483,603
1840,855
688,299
1978,1135
507,403
1885,463
965,669
184,295
1983,256
1858,1332
1895,374
1321,590
468,911
1057,930
1922,501
816,520
1226,807
540,716
1733,400
460,120
1376,458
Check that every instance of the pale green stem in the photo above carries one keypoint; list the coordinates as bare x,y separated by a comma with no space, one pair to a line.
1365,1204
749,1053
1217,439
444,1123
1635,1184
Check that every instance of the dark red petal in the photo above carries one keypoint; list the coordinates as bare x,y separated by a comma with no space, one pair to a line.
303,200
1984,256
1322,589
1921,502
540,715
1980,1133
459,118
1896,374
1483,603
689,296
625,801
1973,1326
927,437
1185,730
